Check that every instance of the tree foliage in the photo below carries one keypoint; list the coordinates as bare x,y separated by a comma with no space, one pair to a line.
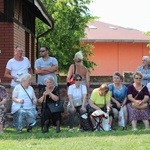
71,18
148,34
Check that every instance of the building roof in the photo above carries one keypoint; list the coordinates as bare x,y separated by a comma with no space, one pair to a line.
39,10
104,32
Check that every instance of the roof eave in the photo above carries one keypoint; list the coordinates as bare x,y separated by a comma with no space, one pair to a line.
115,40
43,14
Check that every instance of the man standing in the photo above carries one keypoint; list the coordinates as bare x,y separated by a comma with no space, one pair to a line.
44,67
145,69
17,66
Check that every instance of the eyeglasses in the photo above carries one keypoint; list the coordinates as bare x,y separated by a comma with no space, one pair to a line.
78,79
138,78
41,51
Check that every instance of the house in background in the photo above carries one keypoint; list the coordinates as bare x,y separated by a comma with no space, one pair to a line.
17,27
115,48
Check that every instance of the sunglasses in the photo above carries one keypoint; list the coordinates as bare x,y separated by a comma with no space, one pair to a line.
41,51
138,78
78,79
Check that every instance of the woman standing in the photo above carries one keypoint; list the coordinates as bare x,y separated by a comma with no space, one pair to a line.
119,96
79,68
138,94
50,95
23,106
77,100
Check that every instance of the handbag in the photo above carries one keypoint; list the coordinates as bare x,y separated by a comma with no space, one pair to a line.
77,102
121,119
143,105
71,81
85,122
56,106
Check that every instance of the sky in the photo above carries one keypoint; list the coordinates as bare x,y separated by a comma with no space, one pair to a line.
125,13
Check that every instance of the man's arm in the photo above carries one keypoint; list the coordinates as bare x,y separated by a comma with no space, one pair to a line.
7,74
43,71
51,69
30,71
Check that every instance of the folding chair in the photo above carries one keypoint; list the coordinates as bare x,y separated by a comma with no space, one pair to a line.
98,116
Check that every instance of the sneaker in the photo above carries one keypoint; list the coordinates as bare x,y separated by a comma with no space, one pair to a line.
33,124
19,131
70,130
94,129
80,130
134,129
1,132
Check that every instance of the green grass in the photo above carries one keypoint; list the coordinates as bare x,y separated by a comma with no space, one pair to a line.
100,140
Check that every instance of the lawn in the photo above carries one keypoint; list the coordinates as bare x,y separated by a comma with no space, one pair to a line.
99,140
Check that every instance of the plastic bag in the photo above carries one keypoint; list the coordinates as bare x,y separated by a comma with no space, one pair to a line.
105,124
121,120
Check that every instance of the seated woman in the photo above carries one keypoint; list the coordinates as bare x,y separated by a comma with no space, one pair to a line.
3,99
77,100
138,94
50,95
23,106
99,100
119,96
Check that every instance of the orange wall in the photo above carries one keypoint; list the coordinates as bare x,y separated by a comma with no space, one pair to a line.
115,56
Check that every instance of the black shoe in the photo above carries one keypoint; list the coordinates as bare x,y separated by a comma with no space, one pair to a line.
29,129
45,128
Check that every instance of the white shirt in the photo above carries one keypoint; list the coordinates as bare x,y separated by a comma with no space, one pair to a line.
77,92
18,67
21,94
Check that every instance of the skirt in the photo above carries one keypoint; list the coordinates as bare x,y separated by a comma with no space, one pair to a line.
138,114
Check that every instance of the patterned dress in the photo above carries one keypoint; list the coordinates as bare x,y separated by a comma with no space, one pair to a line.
137,114
3,95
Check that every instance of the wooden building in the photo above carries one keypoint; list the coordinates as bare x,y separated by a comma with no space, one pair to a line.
17,28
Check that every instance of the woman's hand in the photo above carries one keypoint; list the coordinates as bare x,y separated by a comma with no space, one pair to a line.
118,105
83,109
138,102
21,101
108,109
73,109
46,93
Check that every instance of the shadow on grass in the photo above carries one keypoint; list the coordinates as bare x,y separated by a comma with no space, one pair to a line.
12,134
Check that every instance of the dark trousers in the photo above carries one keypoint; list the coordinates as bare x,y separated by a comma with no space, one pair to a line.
72,116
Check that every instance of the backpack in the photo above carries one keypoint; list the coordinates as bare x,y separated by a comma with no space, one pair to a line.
85,122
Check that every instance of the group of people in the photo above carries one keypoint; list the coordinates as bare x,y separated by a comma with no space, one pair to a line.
108,97
24,101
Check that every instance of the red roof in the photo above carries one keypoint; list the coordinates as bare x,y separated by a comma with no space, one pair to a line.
103,32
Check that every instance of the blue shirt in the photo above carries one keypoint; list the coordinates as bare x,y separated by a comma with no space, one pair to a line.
146,74
40,63
117,94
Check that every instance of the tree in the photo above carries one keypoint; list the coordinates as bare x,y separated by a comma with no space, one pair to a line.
71,18
148,34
